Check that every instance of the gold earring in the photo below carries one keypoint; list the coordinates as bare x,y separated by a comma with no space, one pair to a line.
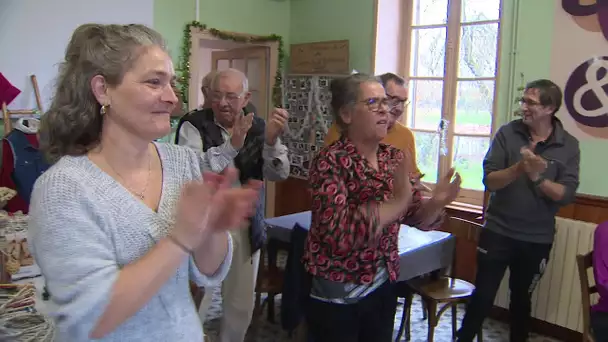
102,110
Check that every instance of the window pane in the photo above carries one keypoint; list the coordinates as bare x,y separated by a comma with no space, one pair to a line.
474,102
478,49
468,158
428,52
424,112
479,10
427,155
430,12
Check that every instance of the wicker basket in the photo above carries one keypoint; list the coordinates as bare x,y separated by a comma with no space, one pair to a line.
19,320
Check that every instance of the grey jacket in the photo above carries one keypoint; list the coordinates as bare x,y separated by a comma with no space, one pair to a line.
521,210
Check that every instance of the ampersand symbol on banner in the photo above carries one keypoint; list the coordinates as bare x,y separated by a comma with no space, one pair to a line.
586,93
594,85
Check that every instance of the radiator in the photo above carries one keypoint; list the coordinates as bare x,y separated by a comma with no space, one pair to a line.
557,298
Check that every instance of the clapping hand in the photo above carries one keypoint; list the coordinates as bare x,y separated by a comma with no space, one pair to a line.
447,188
212,205
242,124
418,185
276,124
532,164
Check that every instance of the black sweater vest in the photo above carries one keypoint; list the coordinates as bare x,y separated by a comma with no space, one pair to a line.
249,160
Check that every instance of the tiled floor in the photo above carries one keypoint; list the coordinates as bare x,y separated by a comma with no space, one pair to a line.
263,331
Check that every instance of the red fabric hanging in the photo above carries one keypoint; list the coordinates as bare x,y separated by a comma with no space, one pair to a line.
8,92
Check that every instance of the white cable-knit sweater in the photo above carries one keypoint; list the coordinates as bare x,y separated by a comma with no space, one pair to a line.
84,227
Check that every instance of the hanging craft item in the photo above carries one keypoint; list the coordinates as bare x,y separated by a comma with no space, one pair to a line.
6,194
17,257
307,98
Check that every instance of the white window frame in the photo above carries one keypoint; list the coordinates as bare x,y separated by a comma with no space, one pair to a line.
468,197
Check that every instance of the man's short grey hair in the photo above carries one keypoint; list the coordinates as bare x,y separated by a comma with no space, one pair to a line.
206,82
389,76
231,72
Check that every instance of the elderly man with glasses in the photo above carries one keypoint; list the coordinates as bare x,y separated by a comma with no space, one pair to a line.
230,136
206,91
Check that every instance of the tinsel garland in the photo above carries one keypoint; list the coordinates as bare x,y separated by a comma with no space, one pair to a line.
183,70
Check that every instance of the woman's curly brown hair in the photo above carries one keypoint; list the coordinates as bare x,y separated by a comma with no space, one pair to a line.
73,123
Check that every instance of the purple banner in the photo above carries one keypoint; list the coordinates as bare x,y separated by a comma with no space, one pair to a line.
574,8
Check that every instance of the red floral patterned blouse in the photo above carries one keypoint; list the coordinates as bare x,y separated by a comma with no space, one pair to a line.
346,191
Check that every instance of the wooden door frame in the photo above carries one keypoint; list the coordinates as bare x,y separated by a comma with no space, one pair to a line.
197,35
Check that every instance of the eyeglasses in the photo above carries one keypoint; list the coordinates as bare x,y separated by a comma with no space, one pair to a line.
375,103
527,102
230,97
396,102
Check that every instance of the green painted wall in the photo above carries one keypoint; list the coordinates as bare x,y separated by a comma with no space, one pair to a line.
261,17
170,18
319,20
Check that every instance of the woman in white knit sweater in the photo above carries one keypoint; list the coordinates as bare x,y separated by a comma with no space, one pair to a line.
119,224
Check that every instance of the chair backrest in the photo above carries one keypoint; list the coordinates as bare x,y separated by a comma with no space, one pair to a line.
466,232
464,229
584,263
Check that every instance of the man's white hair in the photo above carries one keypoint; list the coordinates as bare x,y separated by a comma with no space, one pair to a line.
206,82
231,72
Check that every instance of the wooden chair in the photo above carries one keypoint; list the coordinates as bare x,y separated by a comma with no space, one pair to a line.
269,280
446,290
584,263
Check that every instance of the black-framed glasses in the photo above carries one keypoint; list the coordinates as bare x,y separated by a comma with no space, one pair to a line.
219,96
375,103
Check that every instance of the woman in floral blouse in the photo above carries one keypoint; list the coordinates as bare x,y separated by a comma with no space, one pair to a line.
362,191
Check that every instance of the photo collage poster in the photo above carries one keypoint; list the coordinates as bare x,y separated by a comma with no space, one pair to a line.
307,99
